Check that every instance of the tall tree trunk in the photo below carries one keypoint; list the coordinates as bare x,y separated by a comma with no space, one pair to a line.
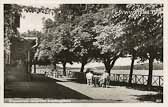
131,68
64,68
108,69
35,62
151,59
82,67
34,68
109,65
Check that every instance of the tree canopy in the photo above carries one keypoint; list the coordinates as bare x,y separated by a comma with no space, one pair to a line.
97,32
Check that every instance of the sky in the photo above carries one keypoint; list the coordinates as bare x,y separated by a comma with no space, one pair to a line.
32,21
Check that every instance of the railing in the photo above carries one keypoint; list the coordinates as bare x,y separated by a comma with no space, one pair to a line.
50,73
137,79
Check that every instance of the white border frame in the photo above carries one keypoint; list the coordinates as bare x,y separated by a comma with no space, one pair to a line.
165,44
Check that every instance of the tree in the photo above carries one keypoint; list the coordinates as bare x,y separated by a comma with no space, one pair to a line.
59,41
109,43
145,25
101,36
11,23
12,14
83,40
151,29
65,52
144,32
79,17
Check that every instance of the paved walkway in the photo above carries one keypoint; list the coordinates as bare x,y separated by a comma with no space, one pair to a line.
113,93
70,91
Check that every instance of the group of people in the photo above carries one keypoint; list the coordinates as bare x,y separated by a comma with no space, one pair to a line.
101,81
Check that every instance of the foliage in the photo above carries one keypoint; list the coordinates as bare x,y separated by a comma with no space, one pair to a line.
85,32
83,40
58,41
12,14
10,24
144,28
108,38
68,40
144,32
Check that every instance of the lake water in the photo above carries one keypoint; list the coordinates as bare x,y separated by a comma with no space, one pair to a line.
141,72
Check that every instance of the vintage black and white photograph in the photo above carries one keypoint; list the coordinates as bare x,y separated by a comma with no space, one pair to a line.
83,53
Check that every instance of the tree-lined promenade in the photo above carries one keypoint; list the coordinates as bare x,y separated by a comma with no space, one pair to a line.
46,90
84,33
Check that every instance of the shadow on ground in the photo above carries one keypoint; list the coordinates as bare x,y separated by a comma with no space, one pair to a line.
154,98
132,86
41,87
76,80
149,97
42,78
137,86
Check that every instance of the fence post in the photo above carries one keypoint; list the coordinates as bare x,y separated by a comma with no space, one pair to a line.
123,77
119,77
159,81
136,79
115,77
143,80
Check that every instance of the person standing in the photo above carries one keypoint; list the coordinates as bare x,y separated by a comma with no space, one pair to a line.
89,77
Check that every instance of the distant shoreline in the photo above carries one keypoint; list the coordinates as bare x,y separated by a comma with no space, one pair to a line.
144,66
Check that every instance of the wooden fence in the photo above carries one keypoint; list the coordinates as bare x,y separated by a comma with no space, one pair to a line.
137,79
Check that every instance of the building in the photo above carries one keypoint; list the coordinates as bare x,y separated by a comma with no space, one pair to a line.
17,50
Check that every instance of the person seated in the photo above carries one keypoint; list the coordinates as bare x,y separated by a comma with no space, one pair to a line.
95,80
101,81
104,80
